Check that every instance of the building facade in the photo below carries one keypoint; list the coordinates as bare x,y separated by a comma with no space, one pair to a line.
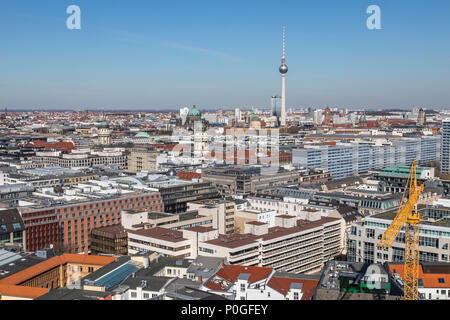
347,159
69,226
445,148
142,159
434,237
109,240
246,180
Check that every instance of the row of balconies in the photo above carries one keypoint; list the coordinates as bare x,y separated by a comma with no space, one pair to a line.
245,261
244,253
297,245
296,258
295,252
331,235
296,239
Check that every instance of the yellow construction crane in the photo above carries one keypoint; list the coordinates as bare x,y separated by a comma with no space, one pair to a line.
409,217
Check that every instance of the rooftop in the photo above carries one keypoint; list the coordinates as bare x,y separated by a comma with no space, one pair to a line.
401,171
22,291
160,233
74,294
51,263
430,275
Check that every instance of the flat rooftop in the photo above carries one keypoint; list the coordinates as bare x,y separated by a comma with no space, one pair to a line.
160,233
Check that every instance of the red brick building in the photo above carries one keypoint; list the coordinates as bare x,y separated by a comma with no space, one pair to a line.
68,226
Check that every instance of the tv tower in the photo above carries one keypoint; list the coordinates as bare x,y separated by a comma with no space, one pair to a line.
283,70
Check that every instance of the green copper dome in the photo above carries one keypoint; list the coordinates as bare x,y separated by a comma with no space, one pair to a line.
194,112
142,135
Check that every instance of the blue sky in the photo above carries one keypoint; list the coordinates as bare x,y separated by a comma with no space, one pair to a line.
145,54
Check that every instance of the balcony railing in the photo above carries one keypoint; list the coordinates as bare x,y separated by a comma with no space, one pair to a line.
292,253
296,239
301,259
298,243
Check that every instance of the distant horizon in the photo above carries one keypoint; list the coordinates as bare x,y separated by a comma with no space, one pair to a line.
177,109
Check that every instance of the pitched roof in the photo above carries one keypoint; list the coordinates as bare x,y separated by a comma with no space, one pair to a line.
21,291
430,280
10,221
282,285
232,272
49,264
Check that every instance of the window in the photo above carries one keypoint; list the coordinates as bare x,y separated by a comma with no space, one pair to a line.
146,295
16,226
370,233
242,287
295,295
133,294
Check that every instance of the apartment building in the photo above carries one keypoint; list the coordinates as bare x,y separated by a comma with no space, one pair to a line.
292,245
445,147
357,157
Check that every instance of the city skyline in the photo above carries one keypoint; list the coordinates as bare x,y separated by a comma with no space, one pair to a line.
155,57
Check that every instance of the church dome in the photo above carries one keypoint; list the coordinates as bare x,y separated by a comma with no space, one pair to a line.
194,112
142,135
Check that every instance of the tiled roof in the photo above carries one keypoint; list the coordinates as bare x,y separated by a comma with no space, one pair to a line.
232,272
8,218
282,285
214,286
49,264
21,291
430,280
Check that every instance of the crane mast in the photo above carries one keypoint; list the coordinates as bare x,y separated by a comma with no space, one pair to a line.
408,217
